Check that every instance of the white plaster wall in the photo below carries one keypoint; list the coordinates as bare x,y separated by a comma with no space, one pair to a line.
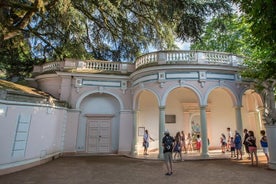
126,131
50,84
46,132
71,130
174,107
148,117
8,124
45,135
65,88
222,116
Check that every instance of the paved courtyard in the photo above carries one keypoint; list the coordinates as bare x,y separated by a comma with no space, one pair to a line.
125,170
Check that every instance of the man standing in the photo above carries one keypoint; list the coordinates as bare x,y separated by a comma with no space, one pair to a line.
167,143
246,135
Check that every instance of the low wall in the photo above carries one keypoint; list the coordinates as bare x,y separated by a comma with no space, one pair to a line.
30,134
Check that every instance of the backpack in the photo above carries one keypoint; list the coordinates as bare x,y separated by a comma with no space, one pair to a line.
237,139
168,143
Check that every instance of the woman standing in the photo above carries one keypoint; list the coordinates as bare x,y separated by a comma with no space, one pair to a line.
251,141
189,142
223,142
177,146
183,141
198,142
146,139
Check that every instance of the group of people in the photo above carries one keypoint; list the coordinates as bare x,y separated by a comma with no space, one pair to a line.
231,143
172,145
182,143
234,144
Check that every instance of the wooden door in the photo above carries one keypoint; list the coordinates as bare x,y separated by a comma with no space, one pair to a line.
98,135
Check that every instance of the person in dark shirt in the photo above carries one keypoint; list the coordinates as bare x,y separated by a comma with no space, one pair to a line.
245,131
168,143
251,142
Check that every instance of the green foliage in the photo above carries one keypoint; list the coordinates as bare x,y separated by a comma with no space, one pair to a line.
261,16
251,33
226,34
110,30
15,57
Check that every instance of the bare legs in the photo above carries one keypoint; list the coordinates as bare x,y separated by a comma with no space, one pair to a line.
255,155
239,152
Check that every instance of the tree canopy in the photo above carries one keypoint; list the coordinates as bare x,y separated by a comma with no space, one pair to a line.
261,17
104,29
250,32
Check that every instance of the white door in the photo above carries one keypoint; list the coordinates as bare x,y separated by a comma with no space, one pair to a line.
98,135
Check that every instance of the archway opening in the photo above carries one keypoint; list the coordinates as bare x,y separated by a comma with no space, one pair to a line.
147,119
99,124
252,113
182,113
220,116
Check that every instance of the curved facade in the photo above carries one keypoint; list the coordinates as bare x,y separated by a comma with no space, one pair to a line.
190,91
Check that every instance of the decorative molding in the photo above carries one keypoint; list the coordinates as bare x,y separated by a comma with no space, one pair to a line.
161,76
78,82
124,86
100,89
145,78
181,83
3,110
182,75
101,83
194,107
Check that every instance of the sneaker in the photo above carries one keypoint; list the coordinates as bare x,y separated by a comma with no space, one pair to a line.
168,174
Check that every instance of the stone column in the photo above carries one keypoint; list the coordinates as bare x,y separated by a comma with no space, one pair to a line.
239,120
161,130
271,137
134,151
204,137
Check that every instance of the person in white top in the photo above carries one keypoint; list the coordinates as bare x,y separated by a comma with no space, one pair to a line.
146,139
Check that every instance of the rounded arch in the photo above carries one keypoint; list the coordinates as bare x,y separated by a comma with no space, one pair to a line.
252,111
194,89
138,93
99,117
235,99
87,93
222,113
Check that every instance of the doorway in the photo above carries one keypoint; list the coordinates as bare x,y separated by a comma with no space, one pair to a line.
98,134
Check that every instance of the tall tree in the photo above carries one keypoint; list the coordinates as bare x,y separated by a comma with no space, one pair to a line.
16,59
106,29
226,34
261,15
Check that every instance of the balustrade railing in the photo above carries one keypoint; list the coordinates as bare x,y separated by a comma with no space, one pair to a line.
146,59
157,58
106,66
182,57
85,65
52,66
